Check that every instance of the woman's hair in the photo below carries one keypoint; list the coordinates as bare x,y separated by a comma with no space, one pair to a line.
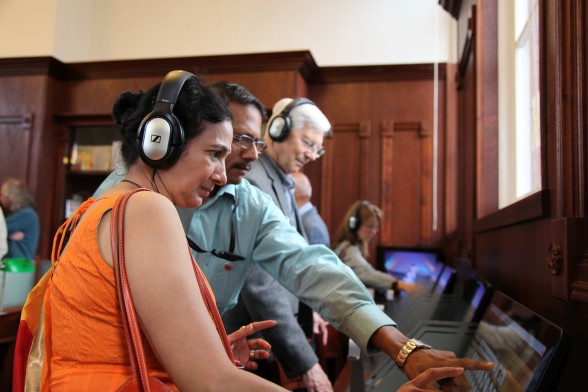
364,211
16,195
196,107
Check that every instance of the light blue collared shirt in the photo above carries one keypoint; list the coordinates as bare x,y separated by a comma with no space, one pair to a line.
313,273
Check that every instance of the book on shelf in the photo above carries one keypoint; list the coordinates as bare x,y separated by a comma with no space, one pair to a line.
95,157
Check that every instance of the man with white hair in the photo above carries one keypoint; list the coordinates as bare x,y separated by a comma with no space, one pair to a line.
294,137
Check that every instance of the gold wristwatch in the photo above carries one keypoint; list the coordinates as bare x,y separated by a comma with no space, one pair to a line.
408,348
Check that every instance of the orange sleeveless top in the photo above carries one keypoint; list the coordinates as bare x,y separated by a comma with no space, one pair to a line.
85,346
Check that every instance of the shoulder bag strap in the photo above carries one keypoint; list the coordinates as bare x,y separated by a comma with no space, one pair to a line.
131,326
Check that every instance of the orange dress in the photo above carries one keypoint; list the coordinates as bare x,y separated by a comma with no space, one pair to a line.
85,347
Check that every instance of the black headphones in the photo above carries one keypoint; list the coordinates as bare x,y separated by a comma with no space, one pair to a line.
281,125
161,135
354,221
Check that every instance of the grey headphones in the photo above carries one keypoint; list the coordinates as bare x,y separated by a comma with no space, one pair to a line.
354,221
281,125
161,135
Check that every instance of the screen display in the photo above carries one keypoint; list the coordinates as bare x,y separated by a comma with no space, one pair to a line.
518,341
411,265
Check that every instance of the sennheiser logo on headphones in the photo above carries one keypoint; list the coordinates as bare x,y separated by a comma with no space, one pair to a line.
155,139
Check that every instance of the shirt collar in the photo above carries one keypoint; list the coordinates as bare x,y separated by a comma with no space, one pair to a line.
230,190
286,179
305,208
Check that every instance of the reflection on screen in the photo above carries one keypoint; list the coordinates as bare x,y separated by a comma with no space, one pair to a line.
411,265
508,339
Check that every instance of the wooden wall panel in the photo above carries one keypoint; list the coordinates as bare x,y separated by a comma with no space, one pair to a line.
25,146
406,184
22,110
400,108
350,159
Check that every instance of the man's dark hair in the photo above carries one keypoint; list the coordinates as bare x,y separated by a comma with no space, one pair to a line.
236,93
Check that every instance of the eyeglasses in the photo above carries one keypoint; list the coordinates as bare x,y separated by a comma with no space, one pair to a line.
319,151
246,141
228,256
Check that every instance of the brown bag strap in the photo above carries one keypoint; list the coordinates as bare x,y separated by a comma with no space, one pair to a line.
129,317
131,326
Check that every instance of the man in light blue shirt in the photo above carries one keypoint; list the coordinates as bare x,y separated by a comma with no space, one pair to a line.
242,225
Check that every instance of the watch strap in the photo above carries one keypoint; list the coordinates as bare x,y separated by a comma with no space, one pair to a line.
409,348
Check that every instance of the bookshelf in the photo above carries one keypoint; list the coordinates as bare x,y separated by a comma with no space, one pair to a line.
92,153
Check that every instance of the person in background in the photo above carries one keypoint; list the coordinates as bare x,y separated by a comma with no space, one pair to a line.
351,243
239,226
294,135
185,348
316,233
3,236
22,220
314,226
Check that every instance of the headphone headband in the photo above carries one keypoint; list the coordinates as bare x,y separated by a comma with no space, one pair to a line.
170,89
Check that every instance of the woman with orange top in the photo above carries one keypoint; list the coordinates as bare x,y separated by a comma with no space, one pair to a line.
175,140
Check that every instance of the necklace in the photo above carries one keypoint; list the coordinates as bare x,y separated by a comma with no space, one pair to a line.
132,182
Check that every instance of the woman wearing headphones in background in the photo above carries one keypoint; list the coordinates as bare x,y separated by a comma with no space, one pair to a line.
351,243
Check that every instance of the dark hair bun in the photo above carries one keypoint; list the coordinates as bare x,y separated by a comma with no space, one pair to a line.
125,106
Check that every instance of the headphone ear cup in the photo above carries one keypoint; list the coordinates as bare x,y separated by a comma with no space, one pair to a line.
161,137
352,223
279,128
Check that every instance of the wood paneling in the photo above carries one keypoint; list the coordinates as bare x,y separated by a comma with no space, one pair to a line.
407,150
534,250
382,150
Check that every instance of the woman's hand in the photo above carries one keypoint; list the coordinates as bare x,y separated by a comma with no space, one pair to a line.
247,351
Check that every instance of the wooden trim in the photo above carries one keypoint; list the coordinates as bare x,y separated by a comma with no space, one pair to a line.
77,120
365,130
23,66
379,73
301,61
426,185
536,206
387,153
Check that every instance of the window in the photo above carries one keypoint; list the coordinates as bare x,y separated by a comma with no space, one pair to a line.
519,103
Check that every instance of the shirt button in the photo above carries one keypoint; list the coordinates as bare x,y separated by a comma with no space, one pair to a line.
228,266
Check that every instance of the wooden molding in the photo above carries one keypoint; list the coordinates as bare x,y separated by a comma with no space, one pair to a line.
379,73
300,61
567,259
535,206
